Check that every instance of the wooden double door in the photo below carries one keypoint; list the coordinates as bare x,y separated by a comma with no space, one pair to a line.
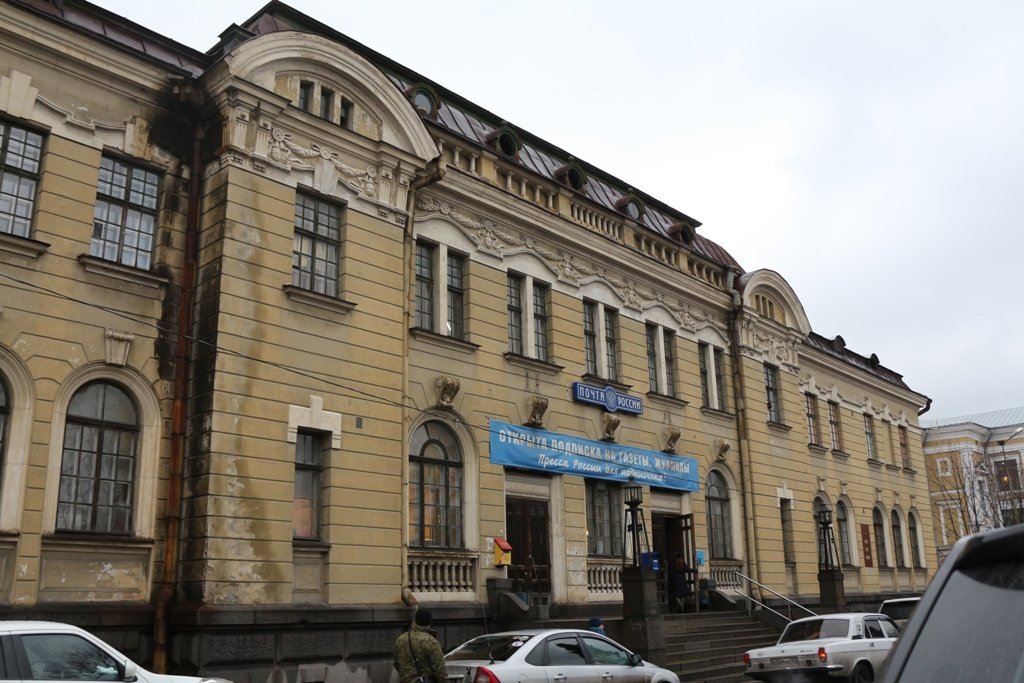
528,525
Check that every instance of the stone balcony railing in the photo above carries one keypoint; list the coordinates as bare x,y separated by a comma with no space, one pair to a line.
442,572
604,576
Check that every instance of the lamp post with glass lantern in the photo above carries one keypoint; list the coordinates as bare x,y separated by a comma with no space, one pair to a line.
642,626
830,571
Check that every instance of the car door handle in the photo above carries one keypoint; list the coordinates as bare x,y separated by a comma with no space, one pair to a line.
607,676
560,677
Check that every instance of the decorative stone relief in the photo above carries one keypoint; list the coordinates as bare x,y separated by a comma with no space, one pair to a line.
609,423
672,435
314,417
721,449
493,239
325,163
119,343
447,388
537,405
762,344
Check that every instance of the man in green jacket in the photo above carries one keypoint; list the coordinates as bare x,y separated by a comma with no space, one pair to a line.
417,652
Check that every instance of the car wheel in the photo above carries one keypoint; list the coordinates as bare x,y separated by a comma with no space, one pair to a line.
862,673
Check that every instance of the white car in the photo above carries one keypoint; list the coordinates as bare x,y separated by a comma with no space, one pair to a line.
851,647
563,655
50,651
899,609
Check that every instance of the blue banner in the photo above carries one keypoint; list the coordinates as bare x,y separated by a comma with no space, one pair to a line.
537,449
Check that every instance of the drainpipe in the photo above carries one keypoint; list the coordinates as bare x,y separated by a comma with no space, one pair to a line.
743,429
179,414
433,173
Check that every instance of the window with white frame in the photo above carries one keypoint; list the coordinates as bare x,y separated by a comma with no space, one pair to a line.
878,523
914,537
1007,475
604,518
98,464
712,379
813,424
869,437
772,394
528,317
661,363
316,247
835,426
309,467
440,290
943,468
125,215
21,153
435,487
600,340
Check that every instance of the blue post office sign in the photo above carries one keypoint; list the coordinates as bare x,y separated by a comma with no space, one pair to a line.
607,397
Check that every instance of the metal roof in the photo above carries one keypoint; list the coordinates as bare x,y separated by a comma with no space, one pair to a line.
837,349
991,419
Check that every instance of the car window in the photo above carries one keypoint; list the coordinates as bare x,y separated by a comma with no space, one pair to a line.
889,629
603,652
973,632
565,651
814,629
872,629
898,610
497,648
67,657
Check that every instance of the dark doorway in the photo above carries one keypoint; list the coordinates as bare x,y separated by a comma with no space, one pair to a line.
528,533
673,534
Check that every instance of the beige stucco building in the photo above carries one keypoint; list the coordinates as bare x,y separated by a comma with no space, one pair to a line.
292,337
974,465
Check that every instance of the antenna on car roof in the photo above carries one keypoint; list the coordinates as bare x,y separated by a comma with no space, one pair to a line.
487,634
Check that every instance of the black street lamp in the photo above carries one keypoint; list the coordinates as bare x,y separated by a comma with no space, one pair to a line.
830,572
633,494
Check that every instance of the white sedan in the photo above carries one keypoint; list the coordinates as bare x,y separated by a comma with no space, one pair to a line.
563,655
850,647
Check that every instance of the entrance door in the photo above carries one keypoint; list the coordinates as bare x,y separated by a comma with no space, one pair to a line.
528,533
673,534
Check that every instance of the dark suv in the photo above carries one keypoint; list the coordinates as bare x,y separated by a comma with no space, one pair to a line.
968,625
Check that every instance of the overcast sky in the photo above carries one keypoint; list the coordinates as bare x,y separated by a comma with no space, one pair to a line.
870,152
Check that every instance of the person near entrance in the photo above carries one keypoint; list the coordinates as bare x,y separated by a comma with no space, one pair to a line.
678,583
418,656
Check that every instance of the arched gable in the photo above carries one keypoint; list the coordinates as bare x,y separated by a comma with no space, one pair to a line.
771,285
269,59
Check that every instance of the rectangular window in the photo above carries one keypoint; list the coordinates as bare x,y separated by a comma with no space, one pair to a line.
309,463
604,518
771,387
306,96
905,448
786,518
611,344
541,337
712,376
456,296
124,219
21,152
326,103
652,358
425,285
869,437
1007,475
669,339
835,426
813,428
345,114
316,248
515,314
590,336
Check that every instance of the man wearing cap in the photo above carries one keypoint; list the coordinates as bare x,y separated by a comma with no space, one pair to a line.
418,655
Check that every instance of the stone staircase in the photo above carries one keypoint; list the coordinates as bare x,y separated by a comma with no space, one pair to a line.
708,647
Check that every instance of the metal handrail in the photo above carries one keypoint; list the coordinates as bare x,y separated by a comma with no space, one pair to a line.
751,599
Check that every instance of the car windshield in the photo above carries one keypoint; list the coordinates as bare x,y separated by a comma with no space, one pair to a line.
496,648
969,634
815,629
899,610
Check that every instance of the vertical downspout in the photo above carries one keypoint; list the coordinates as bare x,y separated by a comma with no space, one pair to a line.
179,416
433,173
743,429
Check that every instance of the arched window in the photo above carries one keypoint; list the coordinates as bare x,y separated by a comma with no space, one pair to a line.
879,523
97,475
435,487
915,539
897,540
843,532
5,413
719,518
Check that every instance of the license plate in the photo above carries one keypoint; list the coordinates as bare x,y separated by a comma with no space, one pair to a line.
784,662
